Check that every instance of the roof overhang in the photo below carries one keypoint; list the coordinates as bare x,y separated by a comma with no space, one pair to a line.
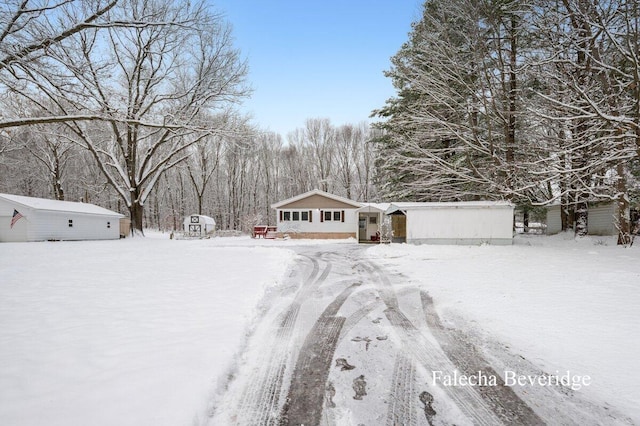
308,194
373,207
404,206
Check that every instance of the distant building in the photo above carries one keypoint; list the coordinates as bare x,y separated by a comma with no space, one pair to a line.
318,214
198,225
601,218
24,219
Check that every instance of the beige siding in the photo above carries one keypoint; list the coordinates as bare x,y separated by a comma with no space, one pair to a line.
602,219
554,220
316,202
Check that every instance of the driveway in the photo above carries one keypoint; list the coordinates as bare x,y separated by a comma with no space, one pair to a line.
339,344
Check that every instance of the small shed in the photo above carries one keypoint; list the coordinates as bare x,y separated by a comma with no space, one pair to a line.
601,218
24,219
198,225
471,222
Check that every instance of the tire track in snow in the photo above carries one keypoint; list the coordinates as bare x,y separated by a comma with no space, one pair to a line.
431,356
306,394
503,400
261,400
403,395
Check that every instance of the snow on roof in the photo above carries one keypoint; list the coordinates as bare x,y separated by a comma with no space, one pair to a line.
451,204
205,219
374,206
57,205
315,192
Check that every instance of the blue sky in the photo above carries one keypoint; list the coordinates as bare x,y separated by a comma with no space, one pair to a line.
317,59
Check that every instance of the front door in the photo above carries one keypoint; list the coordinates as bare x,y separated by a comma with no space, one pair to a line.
399,227
362,228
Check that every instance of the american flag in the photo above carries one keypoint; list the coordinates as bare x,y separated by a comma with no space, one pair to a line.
16,217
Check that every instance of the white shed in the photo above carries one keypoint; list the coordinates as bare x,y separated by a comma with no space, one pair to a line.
198,225
37,219
601,218
472,222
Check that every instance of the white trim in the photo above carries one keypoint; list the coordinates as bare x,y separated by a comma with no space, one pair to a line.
316,192
403,206
43,204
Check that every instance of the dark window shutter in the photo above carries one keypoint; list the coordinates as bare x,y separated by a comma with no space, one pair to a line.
310,215
280,215
342,214
321,215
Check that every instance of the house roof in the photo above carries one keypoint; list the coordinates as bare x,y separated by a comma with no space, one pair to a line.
381,207
58,206
318,193
403,206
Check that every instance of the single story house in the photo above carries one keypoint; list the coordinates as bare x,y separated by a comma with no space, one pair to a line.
466,222
198,225
317,214
25,219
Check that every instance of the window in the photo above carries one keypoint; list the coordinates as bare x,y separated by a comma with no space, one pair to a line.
336,216
295,215
373,220
70,223
108,225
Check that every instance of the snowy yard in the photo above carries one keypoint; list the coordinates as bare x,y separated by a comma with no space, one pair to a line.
139,331
130,332
561,303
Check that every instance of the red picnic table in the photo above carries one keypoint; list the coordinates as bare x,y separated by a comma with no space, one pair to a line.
264,231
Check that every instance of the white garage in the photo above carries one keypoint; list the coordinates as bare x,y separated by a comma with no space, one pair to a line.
472,222
25,219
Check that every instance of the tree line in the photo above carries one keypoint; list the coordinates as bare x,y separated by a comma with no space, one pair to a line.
537,102
132,104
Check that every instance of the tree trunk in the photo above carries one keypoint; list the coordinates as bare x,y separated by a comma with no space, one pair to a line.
582,215
624,225
136,211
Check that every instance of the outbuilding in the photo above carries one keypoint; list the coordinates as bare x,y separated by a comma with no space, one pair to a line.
198,225
25,219
472,222
601,218
317,214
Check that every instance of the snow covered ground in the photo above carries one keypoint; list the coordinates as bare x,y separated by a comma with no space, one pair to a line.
563,304
129,332
140,331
